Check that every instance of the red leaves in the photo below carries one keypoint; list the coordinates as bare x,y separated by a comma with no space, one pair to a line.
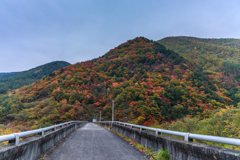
149,56
97,104
134,103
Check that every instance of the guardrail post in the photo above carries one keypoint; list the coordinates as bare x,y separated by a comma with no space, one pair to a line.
14,141
42,132
158,132
140,129
187,139
16,138
55,128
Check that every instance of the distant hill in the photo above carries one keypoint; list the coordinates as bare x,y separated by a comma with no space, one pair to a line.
7,75
228,42
14,80
220,59
149,83
211,57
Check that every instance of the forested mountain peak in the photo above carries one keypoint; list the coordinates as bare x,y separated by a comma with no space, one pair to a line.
131,46
149,83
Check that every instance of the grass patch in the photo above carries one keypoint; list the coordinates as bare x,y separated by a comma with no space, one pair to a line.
162,155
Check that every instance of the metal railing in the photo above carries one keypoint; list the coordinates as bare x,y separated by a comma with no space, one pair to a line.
187,136
16,136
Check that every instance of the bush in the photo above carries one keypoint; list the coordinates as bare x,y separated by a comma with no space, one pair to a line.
162,155
34,127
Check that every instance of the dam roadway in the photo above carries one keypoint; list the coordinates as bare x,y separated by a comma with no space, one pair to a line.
93,142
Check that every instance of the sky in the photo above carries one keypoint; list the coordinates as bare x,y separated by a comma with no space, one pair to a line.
33,33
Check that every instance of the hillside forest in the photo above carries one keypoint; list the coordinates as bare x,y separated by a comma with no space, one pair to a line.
221,64
174,88
15,80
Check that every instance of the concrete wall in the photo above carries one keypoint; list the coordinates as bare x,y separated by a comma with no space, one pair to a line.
34,147
177,149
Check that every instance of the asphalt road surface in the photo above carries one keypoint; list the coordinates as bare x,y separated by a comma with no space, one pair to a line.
93,142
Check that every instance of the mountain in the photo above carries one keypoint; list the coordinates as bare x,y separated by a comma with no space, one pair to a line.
7,75
211,57
14,80
220,63
149,83
228,42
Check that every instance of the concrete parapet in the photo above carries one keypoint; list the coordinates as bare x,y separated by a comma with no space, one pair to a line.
177,149
32,148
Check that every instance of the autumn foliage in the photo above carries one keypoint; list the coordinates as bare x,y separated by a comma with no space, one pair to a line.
149,83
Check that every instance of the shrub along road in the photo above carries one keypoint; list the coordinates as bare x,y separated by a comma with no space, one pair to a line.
94,142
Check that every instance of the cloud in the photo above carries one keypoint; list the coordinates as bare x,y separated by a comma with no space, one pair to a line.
38,32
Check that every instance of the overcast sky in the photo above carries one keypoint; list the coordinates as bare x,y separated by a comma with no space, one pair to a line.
33,33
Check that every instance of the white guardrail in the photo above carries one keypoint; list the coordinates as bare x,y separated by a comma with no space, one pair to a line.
187,136
16,136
